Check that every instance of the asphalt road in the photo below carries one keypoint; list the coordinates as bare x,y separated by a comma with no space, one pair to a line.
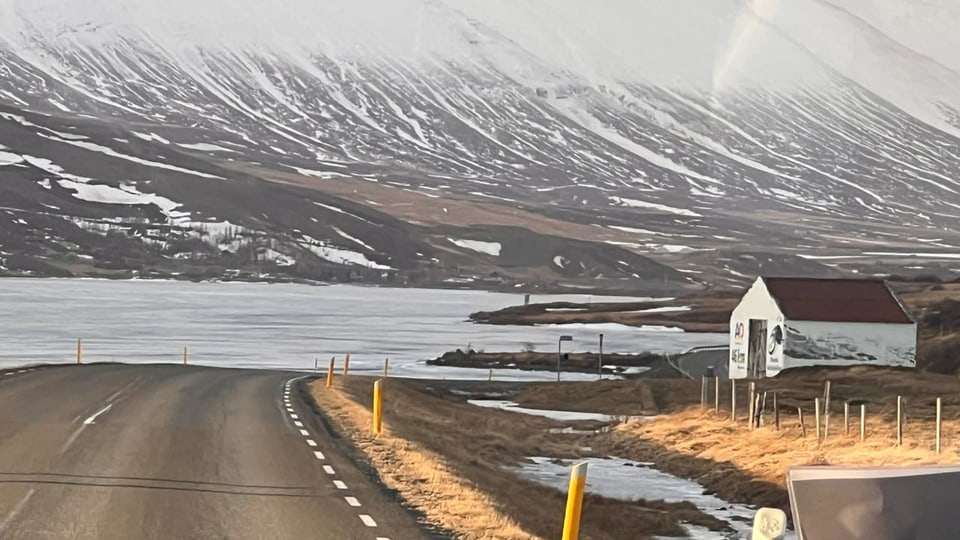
127,452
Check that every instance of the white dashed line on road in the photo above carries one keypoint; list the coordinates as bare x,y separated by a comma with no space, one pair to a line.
289,409
367,520
294,416
93,419
328,469
298,423
339,484
319,455
16,510
304,432
352,501
311,442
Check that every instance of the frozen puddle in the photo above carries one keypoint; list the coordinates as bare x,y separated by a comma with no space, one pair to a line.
631,480
563,416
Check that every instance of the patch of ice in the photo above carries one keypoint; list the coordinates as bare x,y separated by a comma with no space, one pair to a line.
612,326
634,203
631,480
487,248
664,309
320,174
928,255
563,416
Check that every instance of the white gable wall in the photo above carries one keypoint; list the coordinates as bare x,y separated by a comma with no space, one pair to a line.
811,343
755,304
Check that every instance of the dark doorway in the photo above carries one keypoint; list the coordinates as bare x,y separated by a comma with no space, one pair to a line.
757,349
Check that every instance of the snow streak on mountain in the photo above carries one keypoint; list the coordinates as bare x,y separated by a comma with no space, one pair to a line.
652,140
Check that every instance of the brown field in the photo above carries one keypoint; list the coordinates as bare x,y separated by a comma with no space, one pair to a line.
447,458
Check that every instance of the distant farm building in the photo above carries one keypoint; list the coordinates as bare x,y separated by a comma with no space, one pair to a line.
782,323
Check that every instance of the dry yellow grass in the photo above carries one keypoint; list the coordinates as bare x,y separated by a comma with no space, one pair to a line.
750,466
420,476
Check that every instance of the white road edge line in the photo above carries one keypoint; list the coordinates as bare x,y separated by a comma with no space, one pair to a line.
329,470
319,455
311,442
382,538
16,510
305,433
339,484
93,419
352,501
367,520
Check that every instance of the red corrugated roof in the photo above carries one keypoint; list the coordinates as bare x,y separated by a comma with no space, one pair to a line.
837,300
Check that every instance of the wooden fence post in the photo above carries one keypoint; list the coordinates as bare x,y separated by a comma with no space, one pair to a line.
863,421
716,396
703,391
751,403
826,410
816,413
776,412
803,426
939,410
899,420
846,418
733,400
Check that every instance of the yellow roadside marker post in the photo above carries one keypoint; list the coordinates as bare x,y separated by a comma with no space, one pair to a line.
386,368
571,520
378,407
330,372
346,366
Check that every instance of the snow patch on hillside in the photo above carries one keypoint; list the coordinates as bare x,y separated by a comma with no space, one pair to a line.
487,248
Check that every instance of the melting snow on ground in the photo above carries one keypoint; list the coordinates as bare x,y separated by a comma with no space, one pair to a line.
488,248
339,255
634,203
631,480
206,147
563,416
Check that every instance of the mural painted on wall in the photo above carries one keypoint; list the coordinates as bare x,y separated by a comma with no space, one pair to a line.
804,345
775,344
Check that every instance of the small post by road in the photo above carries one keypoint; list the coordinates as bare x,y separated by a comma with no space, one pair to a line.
386,368
330,372
346,366
751,412
826,410
560,352
378,407
899,420
939,411
490,375
733,400
571,518
185,356
846,418
79,351
776,412
316,363
863,422
803,425
703,391
716,395
816,413
600,361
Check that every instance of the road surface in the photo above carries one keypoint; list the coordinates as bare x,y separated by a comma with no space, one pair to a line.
116,451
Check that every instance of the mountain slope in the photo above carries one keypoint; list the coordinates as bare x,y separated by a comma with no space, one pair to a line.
358,140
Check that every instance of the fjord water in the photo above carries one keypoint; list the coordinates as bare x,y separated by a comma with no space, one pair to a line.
284,326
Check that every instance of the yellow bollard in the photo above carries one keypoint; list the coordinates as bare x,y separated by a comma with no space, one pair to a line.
386,368
185,355
330,372
378,406
346,366
571,520
79,351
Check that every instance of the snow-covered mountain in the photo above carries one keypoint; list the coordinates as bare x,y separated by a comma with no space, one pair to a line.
621,142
